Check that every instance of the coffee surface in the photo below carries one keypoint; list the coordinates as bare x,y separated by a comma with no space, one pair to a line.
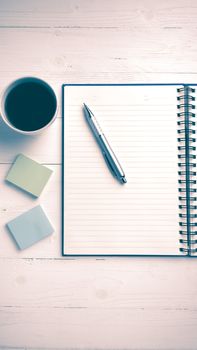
30,105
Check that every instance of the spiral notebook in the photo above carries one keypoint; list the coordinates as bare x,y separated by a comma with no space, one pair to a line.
151,129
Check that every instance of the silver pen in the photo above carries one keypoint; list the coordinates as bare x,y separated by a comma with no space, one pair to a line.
108,154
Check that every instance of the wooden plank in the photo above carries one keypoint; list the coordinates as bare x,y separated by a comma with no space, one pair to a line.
90,283
59,51
98,14
97,328
56,79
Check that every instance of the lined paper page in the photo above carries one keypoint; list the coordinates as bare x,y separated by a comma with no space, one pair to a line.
102,216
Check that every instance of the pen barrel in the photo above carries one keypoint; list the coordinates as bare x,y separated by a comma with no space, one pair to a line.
110,156
96,125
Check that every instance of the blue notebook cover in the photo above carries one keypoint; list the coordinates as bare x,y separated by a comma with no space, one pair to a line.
135,235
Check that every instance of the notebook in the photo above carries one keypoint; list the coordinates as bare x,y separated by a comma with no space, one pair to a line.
151,128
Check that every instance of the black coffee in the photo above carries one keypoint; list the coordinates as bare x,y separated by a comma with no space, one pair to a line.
30,104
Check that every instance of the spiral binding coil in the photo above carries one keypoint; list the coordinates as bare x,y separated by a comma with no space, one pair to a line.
187,173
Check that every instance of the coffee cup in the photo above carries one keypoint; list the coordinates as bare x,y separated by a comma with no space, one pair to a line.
28,105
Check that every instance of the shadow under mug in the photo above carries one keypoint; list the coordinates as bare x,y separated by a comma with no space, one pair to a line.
28,105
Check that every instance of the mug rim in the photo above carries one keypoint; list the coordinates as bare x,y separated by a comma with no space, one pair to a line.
4,94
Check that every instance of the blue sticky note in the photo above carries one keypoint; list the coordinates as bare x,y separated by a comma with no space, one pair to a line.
30,227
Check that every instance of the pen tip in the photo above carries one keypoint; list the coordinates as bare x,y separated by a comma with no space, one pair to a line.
87,110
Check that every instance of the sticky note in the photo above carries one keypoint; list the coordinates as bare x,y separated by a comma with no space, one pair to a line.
30,227
29,175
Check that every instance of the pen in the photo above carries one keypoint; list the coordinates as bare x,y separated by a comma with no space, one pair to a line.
108,154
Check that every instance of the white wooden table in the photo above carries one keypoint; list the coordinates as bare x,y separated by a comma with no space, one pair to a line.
47,301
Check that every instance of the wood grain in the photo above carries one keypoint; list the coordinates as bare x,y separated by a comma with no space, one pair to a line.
109,304
49,302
